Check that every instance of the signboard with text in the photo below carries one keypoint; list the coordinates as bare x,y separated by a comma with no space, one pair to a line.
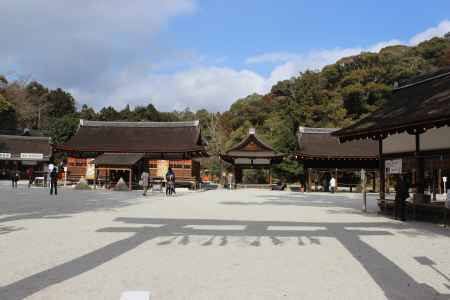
5,155
31,156
162,168
393,166
90,169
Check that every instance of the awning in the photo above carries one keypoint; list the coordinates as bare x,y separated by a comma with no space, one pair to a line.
118,159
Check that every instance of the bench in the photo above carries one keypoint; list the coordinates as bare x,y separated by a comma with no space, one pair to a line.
38,179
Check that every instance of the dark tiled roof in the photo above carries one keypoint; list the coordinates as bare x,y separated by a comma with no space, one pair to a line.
319,143
252,147
260,148
118,159
420,104
136,137
23,132
25,144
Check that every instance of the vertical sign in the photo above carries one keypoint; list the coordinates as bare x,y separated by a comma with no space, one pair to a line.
90,169
162,168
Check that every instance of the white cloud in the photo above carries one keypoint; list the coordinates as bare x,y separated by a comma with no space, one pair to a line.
211,87
272,57
291,64
107,52
378,46
74,43
216,88
438,31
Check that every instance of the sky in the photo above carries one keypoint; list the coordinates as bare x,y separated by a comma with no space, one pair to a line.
196,54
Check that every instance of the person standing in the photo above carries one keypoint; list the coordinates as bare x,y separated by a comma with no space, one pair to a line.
401,194
144,178
170,182
14,178
54,181
30,176
51,166
333,184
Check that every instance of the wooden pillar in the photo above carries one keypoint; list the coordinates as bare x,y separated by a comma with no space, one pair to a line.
130,182
308,180
433,185
107,179
337,181
237,174
351,181
374,181
95,179
439,181
420,172
382,170
270,175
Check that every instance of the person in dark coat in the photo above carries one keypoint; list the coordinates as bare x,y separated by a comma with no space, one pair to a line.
30,176
170,179
54,181
14,178
401,194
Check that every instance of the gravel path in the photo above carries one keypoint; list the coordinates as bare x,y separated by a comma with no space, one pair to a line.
244,244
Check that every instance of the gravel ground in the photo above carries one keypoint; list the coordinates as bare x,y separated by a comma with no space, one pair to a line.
244,244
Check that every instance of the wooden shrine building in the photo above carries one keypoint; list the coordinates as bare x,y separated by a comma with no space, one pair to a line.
323,156
103,152
413,129
19,153
251,153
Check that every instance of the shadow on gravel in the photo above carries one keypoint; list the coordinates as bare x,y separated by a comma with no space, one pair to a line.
8,229
394,281
311,200
36,203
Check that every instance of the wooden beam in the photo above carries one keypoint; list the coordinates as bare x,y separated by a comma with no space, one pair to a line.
130,187
420,172
382,170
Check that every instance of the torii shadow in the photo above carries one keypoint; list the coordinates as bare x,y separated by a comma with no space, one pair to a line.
395,282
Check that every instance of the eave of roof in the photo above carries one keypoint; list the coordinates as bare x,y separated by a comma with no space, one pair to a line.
128,149
118,159
402,124
319,143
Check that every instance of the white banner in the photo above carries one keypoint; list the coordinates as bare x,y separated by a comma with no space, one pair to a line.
31,156
90,169
5,155
394,166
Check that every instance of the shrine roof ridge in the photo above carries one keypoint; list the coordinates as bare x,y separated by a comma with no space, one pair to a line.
303,129
143,124
24,137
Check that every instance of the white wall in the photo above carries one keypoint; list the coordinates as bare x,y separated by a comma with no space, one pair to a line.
432,139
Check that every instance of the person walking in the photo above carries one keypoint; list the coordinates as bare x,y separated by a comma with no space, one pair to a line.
30,176
54,181
170,182
333,184
14,178
144,178
401,194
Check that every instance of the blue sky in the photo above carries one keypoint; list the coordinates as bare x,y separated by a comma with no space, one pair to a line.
187,53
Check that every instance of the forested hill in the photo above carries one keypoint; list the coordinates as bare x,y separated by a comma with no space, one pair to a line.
335,96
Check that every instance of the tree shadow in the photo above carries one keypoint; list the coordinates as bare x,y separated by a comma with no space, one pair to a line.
8,229
296,199
394,281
